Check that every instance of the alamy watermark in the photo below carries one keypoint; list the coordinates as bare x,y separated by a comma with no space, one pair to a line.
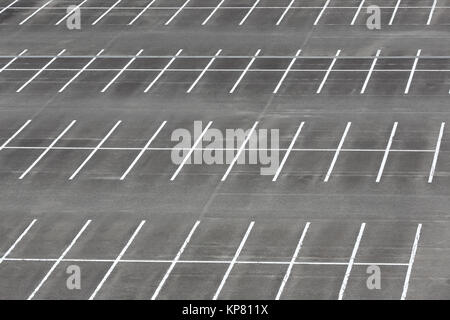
221,146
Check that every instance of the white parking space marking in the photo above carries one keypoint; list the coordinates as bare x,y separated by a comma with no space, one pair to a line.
8,6
284,13
249,12
10,249
286,155
94,150
116,261
430,16
287,71
394,12
369,74
175,260
12,60
351,262
239,152
162,71
121,71
40,71
213,12
106,12
386,152
291,264
70,12
175,174
81,71
176,13
328,71
47,150
413,70
436,153
14,135
411,262
233,261
142,151
245,71
204,71
141,13
35,12
357,12
57,262
321,12
336,154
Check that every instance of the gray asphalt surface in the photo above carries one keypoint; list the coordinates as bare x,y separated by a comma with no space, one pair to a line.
226,251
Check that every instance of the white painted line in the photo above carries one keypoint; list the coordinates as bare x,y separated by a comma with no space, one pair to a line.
162,71
40,71
142,151
213,12
141,13
411,75
394,12
69,13
81,70
2,258
374,62
386,152
287,71
285,12
249,12
106,12
239,152
328,71
59,260
336,154
314,263
35,12
350,262
291,264
411,262
199,139
8,6
357,12
111,268
321,12
431,12
204,71
14,135
174,262
286,155
233,261
176,13
245,71
436,153
47,150
12,60
95,150
121,71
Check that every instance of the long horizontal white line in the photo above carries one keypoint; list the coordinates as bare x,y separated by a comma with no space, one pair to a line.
171,8
168,261
218,149
303,57
221,70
